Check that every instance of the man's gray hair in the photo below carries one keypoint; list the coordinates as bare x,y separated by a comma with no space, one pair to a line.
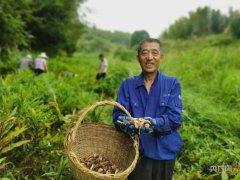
150,40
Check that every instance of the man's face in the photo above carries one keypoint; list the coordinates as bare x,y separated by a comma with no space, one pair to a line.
149,57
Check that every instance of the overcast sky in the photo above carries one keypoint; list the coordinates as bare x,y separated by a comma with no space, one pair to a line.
154,16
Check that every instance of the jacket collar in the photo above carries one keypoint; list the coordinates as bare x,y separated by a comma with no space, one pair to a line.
140,80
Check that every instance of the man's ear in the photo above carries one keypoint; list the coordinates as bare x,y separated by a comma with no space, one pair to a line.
137,57
162,57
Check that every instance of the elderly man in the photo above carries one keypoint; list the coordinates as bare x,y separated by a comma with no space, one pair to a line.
156,98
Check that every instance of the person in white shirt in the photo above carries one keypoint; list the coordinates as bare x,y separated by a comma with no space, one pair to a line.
26,62
102,67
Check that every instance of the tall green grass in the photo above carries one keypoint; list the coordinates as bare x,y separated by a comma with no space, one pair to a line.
37,110
210,81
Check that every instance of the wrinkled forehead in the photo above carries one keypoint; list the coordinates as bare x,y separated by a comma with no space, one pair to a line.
150,46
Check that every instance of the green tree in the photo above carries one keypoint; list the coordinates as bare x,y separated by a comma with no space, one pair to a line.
138,36
202,22
42,25
116,37
56,26
13,18
235,26
181,29
218,22
103,41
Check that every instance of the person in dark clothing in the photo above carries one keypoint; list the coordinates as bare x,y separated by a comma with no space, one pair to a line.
154,97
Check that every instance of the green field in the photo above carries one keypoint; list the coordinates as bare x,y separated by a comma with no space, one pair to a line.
35,112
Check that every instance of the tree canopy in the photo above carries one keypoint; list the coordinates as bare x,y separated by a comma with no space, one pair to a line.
138,36
202,22
41,25
235,26
96,40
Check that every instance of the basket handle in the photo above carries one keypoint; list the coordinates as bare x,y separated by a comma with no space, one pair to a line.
89,108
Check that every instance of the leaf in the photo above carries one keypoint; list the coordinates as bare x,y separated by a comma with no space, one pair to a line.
14,111
2,159
237,176
224,175
6,126
14,145
50,174
11,135
60,167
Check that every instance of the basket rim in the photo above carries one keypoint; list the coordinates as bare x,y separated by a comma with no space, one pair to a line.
91,107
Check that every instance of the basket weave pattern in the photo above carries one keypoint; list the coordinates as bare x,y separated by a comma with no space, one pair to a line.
85,139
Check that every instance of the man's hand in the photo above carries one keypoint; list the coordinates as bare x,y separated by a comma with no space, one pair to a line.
146,130
152,121
134,126
125,123
147,126
125,118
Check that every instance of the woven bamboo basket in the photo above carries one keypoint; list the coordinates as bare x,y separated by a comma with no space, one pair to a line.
85,139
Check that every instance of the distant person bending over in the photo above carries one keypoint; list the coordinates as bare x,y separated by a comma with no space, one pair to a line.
41,64
102,67
154,97
26,62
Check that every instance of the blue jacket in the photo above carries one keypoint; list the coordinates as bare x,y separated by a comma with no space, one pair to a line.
163,103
